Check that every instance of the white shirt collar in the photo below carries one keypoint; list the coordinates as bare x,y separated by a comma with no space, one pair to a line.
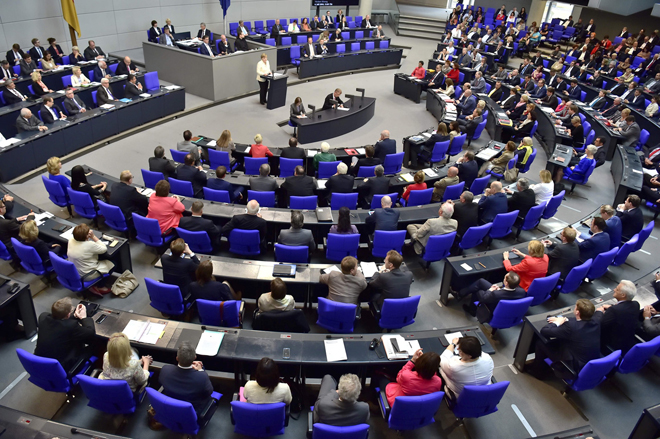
189,367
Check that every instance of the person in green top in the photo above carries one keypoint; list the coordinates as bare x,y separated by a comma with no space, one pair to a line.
324,155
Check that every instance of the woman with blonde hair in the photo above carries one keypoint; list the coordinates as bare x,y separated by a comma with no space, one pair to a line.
533,266
545,189
78,78
225,143
75,55
38,85
121,362
29,235
263,69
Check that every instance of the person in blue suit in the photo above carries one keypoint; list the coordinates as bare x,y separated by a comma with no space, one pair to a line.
598,243
384,146
220,184
584,164
492,203
540,91
467,103
613,223
574,91
631,216
206,48
384,218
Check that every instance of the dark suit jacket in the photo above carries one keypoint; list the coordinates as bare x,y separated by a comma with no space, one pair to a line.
592,247
27,69
384,219
522,201
306,51
35,55
199,224
393,284
64,340
128,200
299,186
490,206
10,56
331,410
575,93
275,30
550,101
600,104
204,51
611,110
367,161
132,90
179,271
632,222
497,94
466,214
154,33
301,237
293,153
31,124
617,326
263,184
102,97
488,301
326,103
89,53
162,165
188,385
374,186
123,69
468,172
201,33
221,184
225,47
246,222
563,258
340,183
383,148
47,116
193,175
9,228
71,107
578,341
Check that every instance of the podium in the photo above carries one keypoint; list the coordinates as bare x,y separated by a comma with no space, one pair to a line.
276,91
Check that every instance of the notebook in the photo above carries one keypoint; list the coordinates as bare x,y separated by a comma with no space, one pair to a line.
284,270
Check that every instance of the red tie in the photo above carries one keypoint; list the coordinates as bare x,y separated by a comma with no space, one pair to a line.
654,153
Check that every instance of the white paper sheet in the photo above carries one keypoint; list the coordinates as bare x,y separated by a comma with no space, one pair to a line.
330,269
312,152
247,150
361,150
335,350
209,343
134,329
153,332
466,267
321,183
342,109
369,269
68,234
212,144
453,335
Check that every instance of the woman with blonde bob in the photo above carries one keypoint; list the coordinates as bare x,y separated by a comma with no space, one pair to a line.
121,363
29,235
533,265
545,189
78,78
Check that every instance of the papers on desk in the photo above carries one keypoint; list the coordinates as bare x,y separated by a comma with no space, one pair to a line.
277,75
94,83
408,177
124,100
147,191
547,110
321,183
209,343
487,154
312,152
41,218
107,106
453,335
145,95
361,151
342,109
369,269
335,350
406,348
61,92
466,267
172,87
144,332
68,235
212,144
416,138
426,135
121,76
651,172
247,150
330,269
8,142
430,173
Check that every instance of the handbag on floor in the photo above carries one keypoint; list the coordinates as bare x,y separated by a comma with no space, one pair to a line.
125,284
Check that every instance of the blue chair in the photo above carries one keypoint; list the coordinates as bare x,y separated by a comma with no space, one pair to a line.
252,165
534,128
288,166
461,77
56,193
233,28
541,288
30,259
586,127
114,217
110,396
453,192
599,266
410,412
335,316
294,55
592,374
66,81
509,313
643,138
65,60
270,42
339,246
644,234
477,401
590,140
438,154
248,27
396,313
479,185
624,251
4,253
339,200
245,242
366,171
488,88
303,203
31,90
530,160
180,416
148,232
359,35
510,165
178,156
67,275
150,178
221,158
369,45
574,278
383,44
259,27
151,82
457,91
355,47
341,48
216,195
385,241
553,205
532,219
346,35
393,163
474,236
327,169
324,431
437,248
477,134
166,298
297,254
286,41
418,198
49,374
265,198
376,200
83,204
639,356
216,313
580,179
301,39
258,420
503,225
199,242
181,187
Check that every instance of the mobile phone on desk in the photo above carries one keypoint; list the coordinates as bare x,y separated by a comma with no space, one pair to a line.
286,353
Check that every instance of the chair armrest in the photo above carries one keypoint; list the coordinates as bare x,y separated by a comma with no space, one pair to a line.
310,424
211,405
287,414
241,313
86,275
76,367
167,232
640,339
235,397
493,380
383,404
95,373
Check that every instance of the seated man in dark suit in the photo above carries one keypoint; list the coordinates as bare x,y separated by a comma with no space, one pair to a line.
276,30
133,87
224,46
178,270
492,203
293,151
29,122
196,175
466,213
126,67
377,185
466,104
203,31
598,243
251,220
264,182
369,160
468,169
299,184
618,322
341,182
384,218
196,223
339,405
104,94
391,282
127,198
50,112
523,199
27,65
220,184
102,71
92,51
296,235
187,381
565,256
310,49
64,332
158,163
384,146
72,104
471,122
11,95
335,96
632,217
489,295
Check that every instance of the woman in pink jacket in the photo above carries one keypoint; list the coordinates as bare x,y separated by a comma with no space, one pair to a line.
167,210
418,377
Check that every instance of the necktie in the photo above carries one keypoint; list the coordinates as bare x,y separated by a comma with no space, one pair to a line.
654,153
96,52
594,102
17,55
103,73
53,113
491,92
625,94
39,50
107,90
17,93
76,102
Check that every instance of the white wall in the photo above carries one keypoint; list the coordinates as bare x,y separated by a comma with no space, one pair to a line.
122,24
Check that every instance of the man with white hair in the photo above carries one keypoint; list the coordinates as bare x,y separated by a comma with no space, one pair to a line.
377,185
523,199
441,185
324,155
619,321
264,182
26,121
384,146
340,407
251,220
420,233
384,218
104,94
341,182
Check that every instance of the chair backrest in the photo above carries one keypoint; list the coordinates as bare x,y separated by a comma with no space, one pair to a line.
477,401
281,321
83,203
530,160
303,203
478,130
590,138
553,205
297,254
244,242
288,166
638,356
385,241
575,277
359,35
67,274
4,253
541,288
600,264
474,236
624,251
286,41
586,127
324,431
339,200
164,297
533,217
336,316
199,242
265,198
178,416
252,165
397,313
151,81
438,247
376,200
339,246
366,171
453,192
258,420
270,42
114,217
109,396
219,158
178,156
216,195
151,178
294,52
341,48
595,372
301,39
643,235
420,197
509,313
148,230
65,60
457,144
66,81
328,169
181,187
643,136
439,152
55,191
384,44
502,224
393,163
533,130
46,373
413,412
369,45
214,313
479,185
355,47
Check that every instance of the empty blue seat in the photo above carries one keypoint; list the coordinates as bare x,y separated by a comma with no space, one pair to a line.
303,203
341,48
644,234
339,246
324,431
113,216
252,165
215,313
49,374
384,44
199,242
181,187
453,192
369,45
503,225
479,185
393,163
574,278
625,251
593,373
296,254
264,198
438,247
478,401
553,205
216,195
397,313
150,178
601,263
532,219
384,241
4,253
294,55
286,41
148,231
355,47
151,81
339,200
336,316
418,198
541,288
639,356
474,236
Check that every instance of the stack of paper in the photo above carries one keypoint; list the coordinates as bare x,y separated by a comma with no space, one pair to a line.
209,343
247,150
321,183
407,177
335,350
9,142
147,191
144,332
449,337
68,235
430,173
312,152
487,154
330,269
368,269
145,95
406,348
41,218
212,144
172,87
361,151
107,106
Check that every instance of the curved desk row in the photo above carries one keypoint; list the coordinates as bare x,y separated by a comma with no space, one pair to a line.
627,173
364,59
284,52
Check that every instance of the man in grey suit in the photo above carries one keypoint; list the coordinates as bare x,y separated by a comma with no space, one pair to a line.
630,131
420,233
28,122
391,282
338,405
264,182
166,37
478,83
296,235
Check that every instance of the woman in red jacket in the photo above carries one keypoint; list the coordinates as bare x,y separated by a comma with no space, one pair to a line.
453,73
418,377
167,210
257,150
533,265
419,72
417,186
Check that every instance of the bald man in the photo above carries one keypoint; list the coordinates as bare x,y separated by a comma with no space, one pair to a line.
441,185
126,67
384,218
384,146
27,122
